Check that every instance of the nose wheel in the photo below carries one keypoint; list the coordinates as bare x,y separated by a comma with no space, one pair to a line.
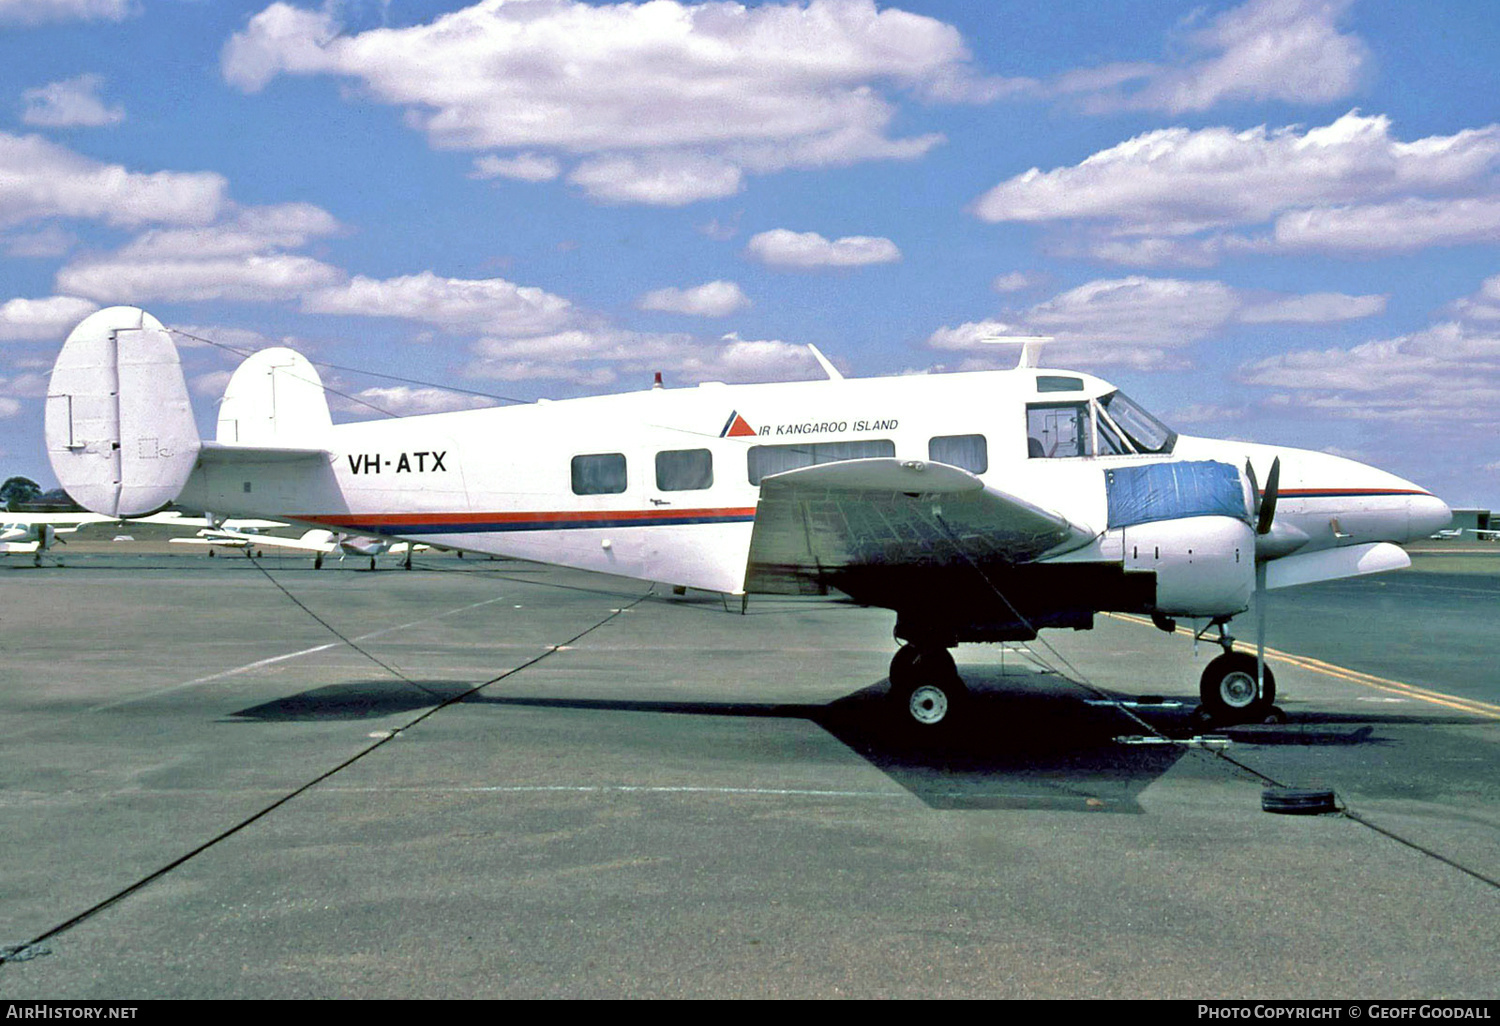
1229,691
927,693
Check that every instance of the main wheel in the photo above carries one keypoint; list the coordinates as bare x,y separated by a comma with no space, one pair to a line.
1228,689
926,690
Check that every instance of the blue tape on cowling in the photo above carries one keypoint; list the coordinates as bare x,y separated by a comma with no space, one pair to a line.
1167,491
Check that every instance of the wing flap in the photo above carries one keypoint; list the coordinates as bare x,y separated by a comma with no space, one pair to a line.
817,526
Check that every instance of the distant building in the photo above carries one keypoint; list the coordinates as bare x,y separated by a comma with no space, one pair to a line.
1466,520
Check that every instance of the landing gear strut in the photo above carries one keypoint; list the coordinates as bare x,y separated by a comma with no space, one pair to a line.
1228,688
926,691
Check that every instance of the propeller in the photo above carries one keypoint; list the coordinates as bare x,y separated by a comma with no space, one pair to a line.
1268,500
1265,513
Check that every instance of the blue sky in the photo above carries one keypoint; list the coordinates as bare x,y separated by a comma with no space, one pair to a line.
1274,220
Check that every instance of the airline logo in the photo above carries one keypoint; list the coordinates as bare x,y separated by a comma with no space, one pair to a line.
736,427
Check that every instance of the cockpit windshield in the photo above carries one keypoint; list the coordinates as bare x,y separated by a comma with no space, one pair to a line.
1144,432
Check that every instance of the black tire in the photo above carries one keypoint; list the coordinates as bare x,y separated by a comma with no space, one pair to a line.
1227,689
1290,801
927,693
903,664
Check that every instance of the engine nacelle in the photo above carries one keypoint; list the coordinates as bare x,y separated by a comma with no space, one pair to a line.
1204,566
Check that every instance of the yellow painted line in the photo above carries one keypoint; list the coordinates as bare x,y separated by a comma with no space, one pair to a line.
1369,680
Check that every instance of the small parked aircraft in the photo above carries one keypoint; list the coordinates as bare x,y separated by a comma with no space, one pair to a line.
319,542
35,533
979,507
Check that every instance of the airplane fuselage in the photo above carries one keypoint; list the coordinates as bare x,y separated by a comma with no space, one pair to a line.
663,484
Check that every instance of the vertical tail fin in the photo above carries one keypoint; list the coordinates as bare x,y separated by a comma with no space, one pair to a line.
119,426
275,398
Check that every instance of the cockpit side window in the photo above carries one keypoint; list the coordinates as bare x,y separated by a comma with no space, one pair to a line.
1057,430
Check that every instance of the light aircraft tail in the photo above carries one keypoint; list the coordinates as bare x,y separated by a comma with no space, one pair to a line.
120,430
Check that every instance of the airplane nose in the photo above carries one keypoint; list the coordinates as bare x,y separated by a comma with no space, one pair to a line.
1427,515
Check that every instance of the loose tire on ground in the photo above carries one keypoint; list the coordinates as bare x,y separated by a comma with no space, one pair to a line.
1291,801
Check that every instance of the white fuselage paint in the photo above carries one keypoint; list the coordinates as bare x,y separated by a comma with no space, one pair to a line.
499,480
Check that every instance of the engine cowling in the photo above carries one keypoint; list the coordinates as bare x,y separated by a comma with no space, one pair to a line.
1204,566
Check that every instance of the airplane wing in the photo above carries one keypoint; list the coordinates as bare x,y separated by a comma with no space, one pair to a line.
173,518
56,519
816,526
316,541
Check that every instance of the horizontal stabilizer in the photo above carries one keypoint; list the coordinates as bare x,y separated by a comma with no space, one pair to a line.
218,453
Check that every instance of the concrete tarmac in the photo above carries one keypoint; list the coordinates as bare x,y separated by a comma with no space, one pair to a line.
654,796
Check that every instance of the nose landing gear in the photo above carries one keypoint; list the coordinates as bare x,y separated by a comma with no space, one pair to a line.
1237,687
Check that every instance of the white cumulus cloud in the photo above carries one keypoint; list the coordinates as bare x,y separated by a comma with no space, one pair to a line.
489,304
35,12
603,356
241,258
41,179
782,247
1173,195
711,299
525,167
254,278
406,401
72,103
1288,50
42,319
1443,381
1143,322
667,102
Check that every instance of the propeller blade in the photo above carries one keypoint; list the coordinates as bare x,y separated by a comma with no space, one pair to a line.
1254,489
1268,500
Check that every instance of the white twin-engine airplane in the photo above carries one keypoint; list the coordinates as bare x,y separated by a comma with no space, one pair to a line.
979,507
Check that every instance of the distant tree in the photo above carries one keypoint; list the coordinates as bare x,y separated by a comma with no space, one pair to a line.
19,489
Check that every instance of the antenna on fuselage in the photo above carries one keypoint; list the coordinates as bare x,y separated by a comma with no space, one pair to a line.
1031,347
828,368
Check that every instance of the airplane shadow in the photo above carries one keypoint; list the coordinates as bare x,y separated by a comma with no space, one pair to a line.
1026,741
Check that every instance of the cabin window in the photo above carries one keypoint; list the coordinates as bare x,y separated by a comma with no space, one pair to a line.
967,451
1057,430
684,470
599,474
765,460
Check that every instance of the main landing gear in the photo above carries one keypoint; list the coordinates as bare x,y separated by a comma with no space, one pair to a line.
1229,689
927,693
